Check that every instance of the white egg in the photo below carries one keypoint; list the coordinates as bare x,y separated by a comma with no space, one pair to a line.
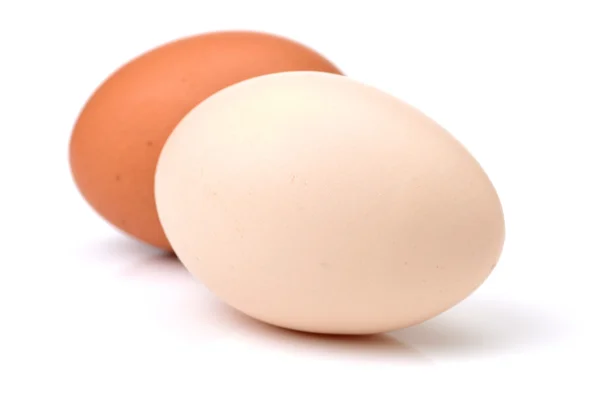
314,202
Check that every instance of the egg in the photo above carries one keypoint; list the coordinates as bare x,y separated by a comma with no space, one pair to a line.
119,134
314,202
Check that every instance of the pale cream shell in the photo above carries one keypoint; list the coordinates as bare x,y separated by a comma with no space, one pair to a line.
314,202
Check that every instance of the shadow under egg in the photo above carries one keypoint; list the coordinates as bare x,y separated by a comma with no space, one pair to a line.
376,347
479,327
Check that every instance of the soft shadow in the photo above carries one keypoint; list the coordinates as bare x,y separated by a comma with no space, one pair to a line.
377,347
484,327
133,258
121,246
150,266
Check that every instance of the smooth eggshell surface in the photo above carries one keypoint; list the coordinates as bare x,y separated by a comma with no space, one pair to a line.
316,203
120,132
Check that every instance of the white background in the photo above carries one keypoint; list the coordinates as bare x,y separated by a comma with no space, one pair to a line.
86,313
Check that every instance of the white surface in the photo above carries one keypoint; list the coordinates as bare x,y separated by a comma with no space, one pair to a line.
87,313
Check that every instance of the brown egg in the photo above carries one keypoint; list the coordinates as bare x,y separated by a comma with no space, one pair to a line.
121,130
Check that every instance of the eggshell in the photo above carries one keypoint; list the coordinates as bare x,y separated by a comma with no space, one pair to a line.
118,136
316,203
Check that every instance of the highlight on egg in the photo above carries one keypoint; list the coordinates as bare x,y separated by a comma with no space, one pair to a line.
317,203
118,136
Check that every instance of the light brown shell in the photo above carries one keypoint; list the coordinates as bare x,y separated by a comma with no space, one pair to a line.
313,202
